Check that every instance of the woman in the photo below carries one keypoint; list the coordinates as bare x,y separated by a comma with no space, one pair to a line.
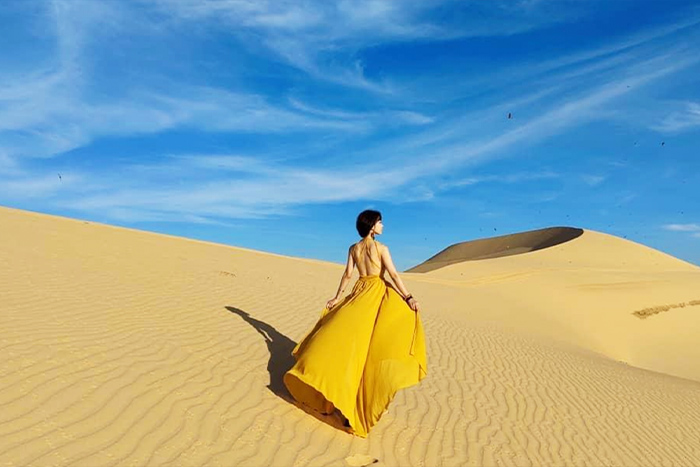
365,347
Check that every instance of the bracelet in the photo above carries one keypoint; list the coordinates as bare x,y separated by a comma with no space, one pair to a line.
408,297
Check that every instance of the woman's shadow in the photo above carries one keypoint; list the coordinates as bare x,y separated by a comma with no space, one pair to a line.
280,348
281,360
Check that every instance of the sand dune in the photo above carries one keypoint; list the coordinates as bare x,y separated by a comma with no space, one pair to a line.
497,247
587,291
122,347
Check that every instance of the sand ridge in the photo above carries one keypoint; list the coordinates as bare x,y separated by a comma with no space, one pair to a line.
125,347
498,247
646,312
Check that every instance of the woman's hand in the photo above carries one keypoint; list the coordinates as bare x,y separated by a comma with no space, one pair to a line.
331,303
413,303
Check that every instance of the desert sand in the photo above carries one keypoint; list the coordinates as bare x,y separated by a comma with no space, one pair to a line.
122,347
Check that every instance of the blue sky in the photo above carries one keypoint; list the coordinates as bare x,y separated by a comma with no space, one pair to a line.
271,124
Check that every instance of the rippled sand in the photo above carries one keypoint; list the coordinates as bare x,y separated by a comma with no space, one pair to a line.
121,347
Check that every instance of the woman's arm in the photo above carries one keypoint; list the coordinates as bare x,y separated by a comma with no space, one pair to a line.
347,274
389,265
391,269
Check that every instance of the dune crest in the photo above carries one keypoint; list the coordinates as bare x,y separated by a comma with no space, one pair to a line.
498,247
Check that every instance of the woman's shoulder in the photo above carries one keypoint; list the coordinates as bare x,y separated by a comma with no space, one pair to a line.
356,245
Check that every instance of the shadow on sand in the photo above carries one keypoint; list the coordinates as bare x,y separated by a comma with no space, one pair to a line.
281,360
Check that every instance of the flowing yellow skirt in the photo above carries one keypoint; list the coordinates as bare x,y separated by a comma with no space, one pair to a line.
359,354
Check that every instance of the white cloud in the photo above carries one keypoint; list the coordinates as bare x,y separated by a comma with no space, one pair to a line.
682,227
53,121
51,112
460,147
501,178
594,64
220,186
225,162
8,165
624,45
626,198
408,116
680,120
54,108
321,38
267,188
375,118
593,180
43,186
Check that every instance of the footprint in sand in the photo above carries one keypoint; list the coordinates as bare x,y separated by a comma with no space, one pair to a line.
360,460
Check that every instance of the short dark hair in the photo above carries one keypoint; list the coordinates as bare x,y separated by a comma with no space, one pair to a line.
366,220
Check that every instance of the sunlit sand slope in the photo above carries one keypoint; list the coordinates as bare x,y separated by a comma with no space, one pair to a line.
121,347
604,293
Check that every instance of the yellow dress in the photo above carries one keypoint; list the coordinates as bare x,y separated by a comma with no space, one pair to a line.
360,352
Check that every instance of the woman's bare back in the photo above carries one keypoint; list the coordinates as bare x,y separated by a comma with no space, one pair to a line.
367,256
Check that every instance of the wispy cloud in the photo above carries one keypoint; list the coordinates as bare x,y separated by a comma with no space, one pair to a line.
322,38
60,106
610,53
692,229
682,227
501,178
8,166
47,185
55,108
52,122
265,189
680,120
626,198
375,118
449,147
596,63
593,180
214,187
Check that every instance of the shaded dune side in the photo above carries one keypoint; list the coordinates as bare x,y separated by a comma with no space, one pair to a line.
497,247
